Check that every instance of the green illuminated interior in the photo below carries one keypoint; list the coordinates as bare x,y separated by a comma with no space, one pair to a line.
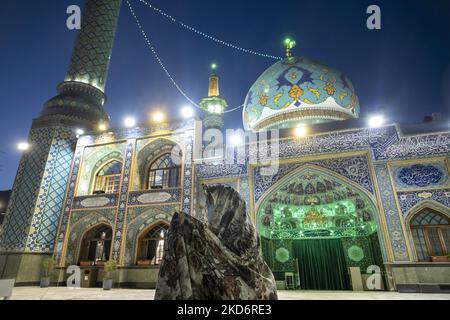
312,205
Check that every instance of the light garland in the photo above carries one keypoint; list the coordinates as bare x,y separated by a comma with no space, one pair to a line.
207,36
152,48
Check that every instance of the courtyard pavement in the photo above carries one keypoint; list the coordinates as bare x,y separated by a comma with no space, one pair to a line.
62,293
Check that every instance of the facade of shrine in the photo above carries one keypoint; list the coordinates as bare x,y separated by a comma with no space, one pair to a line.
343,194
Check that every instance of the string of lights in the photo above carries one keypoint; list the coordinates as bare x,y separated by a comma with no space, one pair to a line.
163,67
207,36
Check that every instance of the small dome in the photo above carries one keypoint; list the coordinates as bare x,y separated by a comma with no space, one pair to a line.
298,90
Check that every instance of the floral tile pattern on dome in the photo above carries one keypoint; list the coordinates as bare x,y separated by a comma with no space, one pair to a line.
297,83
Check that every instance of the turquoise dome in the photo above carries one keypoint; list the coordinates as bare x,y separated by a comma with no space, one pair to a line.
296,91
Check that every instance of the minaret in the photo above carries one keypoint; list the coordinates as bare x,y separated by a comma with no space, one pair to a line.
81,95
31,220
214,105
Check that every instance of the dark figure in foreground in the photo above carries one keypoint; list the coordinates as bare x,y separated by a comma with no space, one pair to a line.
219,260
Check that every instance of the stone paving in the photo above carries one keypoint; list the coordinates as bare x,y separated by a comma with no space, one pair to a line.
62,293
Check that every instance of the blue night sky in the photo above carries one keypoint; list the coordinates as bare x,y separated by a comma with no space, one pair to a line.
402,70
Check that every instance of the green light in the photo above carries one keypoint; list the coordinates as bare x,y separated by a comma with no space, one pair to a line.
289,43
214,66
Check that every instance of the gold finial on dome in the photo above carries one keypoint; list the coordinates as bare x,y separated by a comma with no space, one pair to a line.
289,44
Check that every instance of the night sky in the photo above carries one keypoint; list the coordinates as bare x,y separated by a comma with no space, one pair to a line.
402,70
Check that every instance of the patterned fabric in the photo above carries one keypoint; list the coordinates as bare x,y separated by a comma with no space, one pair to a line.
221,261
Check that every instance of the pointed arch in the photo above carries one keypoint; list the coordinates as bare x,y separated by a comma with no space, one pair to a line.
106,178
319,170
314,196
432,204
428,224
149,153
92,163
148,248
86,244
137,226
77,232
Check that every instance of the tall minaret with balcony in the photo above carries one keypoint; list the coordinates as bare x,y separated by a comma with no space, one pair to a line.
31,221
214,105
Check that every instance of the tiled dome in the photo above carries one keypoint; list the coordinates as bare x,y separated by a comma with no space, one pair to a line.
298,90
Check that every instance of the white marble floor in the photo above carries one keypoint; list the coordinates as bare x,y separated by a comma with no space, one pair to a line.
62,293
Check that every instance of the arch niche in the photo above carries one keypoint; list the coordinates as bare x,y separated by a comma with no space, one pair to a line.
148,154
429,228
316,223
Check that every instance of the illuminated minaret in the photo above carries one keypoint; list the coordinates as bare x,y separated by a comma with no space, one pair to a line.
214,105
81,95
35,206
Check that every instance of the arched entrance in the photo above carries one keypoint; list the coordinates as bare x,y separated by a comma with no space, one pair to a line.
430,229
96,245
151,245
317,224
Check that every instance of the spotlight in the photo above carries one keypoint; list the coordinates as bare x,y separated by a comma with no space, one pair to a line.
187,112
301,131
129,122
376,121
23,146
236,139
79,132
158,117
102,127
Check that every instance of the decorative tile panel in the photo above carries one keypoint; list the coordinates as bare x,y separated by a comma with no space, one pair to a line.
420,175
70,192
44,223
392,215
138,220
154,196
417,147
80,222
123,197
188,173
31,192
408,200
354,168
95,201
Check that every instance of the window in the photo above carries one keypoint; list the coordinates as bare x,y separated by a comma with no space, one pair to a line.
163,173
151,245
431,234
108,178
96,245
